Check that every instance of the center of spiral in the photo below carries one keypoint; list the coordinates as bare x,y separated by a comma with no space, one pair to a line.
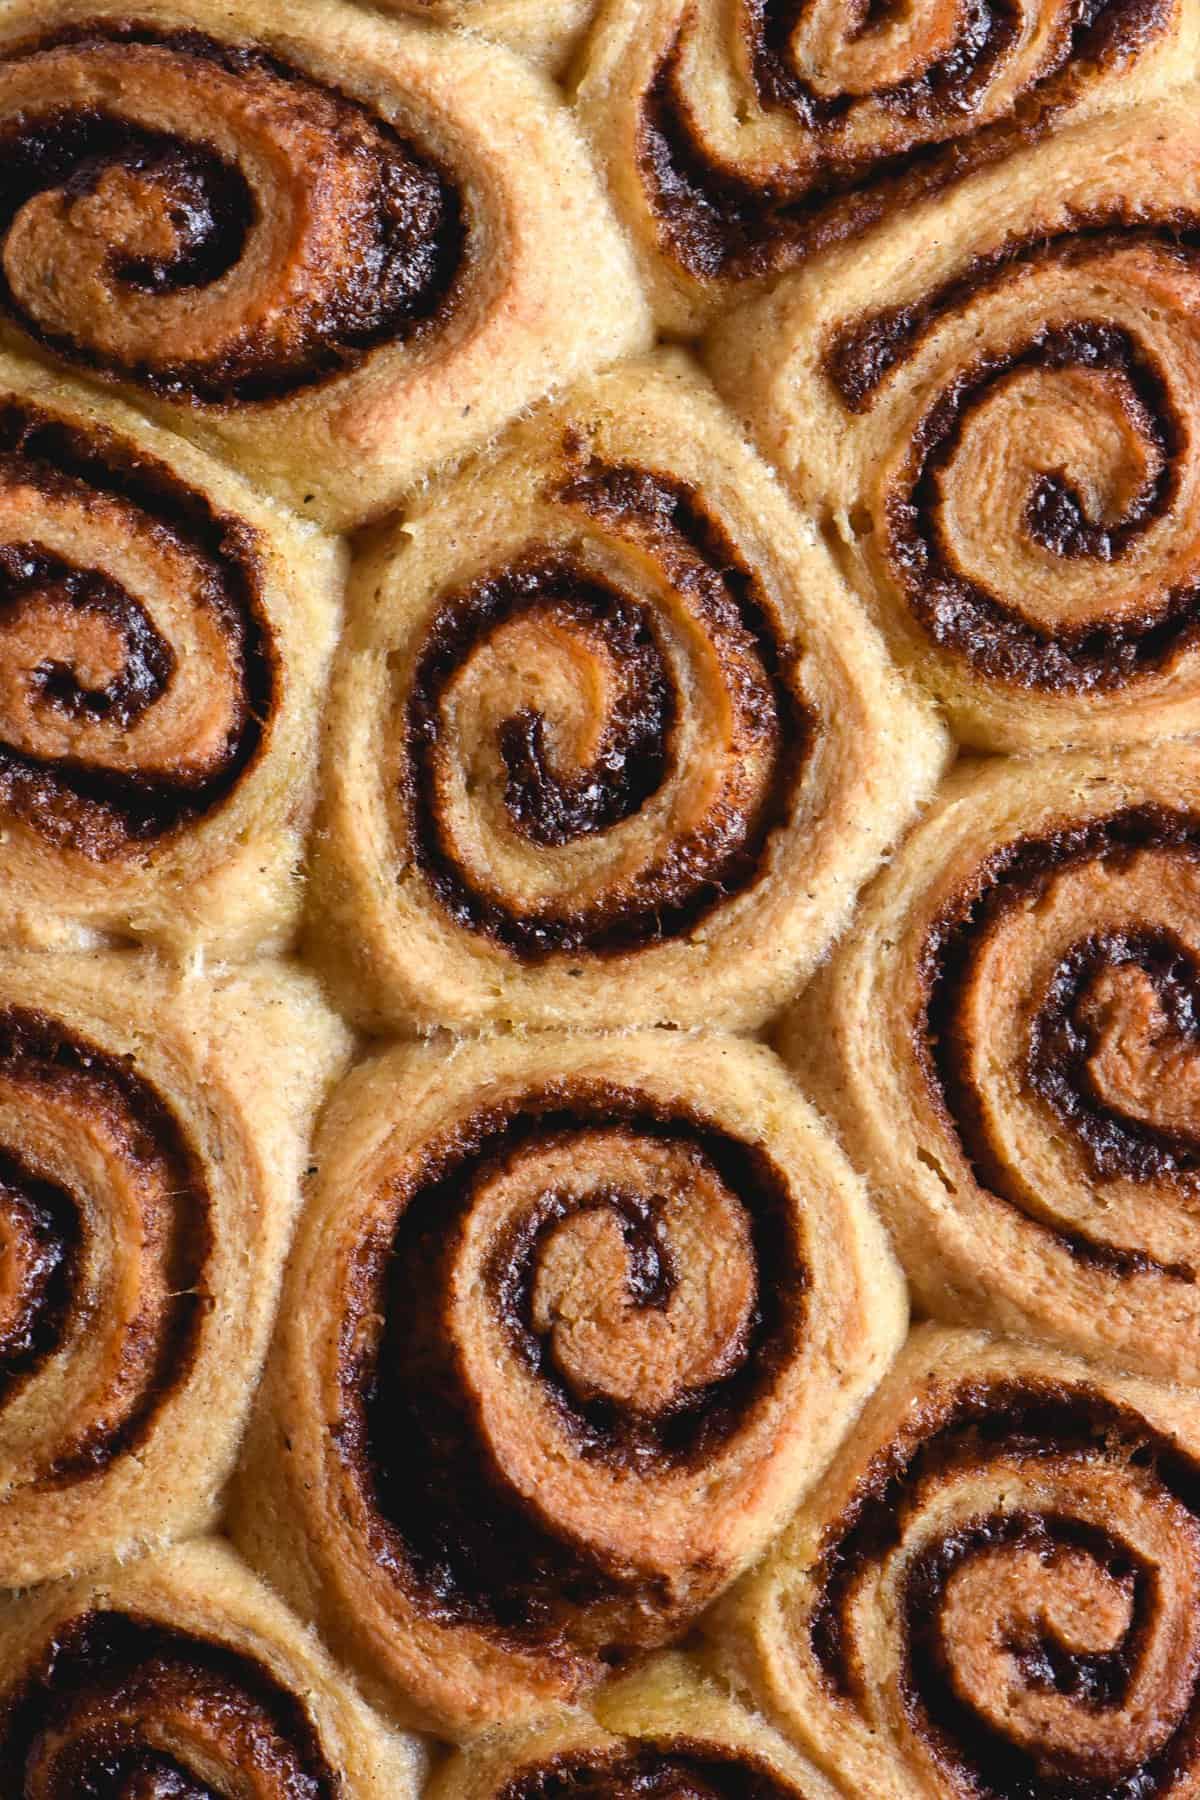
642,1296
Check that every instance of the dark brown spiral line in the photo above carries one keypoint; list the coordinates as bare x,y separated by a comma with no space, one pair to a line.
719,223
991,631
51,1240
104,218
418,1443
61,617
720,851
122,1706
989,1437
1062,1038
676,1769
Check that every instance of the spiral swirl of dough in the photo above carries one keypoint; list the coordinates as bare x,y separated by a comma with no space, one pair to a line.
557,1354
607,745
743,137
996,1592
1014,1051
1000,435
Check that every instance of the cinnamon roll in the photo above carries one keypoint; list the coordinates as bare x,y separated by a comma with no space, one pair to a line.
152,1139
337,247
741,137
607,743
663,1730
1008,1040
997,1590
165,640
182,1678
544,31
989,402
571,1325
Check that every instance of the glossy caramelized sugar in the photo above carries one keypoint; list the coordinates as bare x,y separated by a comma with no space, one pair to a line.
1014,1051
147,1190
165,637
189,558
182,1678
371,256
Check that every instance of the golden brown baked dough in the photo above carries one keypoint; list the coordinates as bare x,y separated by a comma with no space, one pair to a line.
665,1729
990,401
996,1590
741,137
571,1325
607,742
165,638
153,1130
1007,1038
545,31
182,1677
332,245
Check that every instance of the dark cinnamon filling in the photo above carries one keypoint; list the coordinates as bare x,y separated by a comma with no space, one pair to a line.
979,1425
1063,1040
40,1231
718,856
38,1054
864,352
106,812
676,1769
954,83
994,636
398,256
89,1721
446,1522
1061,1043
716,224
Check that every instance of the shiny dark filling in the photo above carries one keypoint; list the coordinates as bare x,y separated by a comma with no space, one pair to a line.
864,352
631,759
38,1054
993,636
81,1725
956,83
41,1221
105,813
677,1769
704,866
445,1522
1034,1423
397,262
717,224
1060,1041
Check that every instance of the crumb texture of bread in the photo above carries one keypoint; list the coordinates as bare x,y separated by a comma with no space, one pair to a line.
667,1728
545,32
599,900
742,140
165,644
